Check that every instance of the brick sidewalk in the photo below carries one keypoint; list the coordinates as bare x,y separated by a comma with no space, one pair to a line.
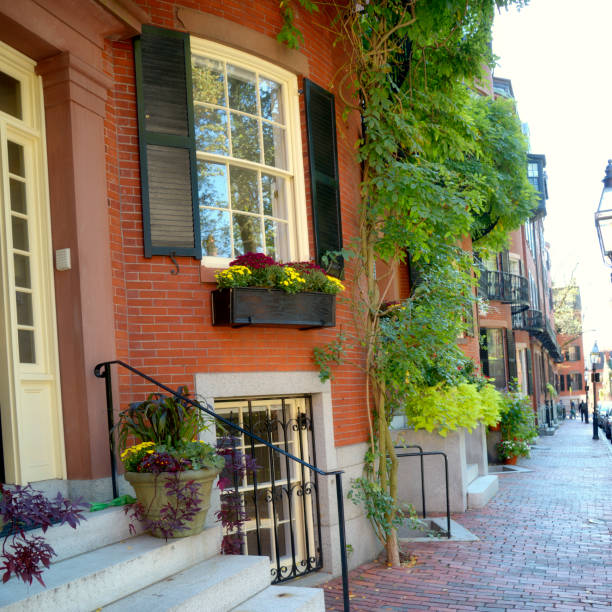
544,542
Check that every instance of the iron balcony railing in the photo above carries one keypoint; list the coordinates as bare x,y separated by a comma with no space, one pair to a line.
505,287
548,338
103,370
529,320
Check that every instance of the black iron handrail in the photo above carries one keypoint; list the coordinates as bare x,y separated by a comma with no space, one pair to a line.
103,370
422,454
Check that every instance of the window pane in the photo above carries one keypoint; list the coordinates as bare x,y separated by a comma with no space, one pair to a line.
212,184
25,340
15,159
277,240
24,308
215,227
18,196
274,196
22,271
208,81
271,101
247,235
274,146
245,138
10,95
241,89
245,193
20,234
211,130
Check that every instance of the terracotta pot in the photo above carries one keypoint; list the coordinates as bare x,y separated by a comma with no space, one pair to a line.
151,493
510,460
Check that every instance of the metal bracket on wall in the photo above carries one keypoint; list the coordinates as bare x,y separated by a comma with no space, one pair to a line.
173,260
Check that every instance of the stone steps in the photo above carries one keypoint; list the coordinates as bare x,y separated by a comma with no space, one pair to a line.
481,490
98,566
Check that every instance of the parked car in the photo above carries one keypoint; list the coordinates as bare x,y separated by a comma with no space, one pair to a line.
604,415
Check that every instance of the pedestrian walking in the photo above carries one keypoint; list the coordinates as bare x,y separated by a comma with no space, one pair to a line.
582,407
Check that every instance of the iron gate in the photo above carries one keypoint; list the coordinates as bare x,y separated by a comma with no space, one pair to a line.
277,499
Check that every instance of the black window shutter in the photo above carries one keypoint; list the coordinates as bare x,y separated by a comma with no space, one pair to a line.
484,352
561,383
529,372
325,187
168,170
512,369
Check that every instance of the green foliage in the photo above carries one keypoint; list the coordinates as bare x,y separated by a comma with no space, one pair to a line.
517,418
162,420
506,449
444,408
289,34
381,508
551,390
567,310
439,163
328,355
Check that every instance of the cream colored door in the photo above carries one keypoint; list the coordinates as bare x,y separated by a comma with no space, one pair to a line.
30,412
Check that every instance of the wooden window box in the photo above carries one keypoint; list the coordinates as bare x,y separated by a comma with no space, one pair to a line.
271,307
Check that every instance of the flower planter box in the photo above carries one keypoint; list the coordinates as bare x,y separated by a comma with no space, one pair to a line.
271,307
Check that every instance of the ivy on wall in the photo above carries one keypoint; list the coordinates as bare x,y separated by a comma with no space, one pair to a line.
440,162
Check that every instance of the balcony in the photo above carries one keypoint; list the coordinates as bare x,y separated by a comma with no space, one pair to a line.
548,338
528,320
506,288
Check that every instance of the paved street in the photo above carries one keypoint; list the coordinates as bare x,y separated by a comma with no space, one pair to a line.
544,542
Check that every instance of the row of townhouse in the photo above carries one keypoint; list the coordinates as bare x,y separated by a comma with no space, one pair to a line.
518,341
111,111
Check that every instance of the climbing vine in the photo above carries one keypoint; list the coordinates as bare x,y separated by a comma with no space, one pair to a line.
441,162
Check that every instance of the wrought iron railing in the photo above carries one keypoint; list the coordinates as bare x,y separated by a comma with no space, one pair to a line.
422,454
505,287
103,370
529,320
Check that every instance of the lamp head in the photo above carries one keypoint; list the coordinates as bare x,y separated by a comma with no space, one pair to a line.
603,217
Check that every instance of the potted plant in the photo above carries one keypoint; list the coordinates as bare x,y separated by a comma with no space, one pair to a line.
256,290
172,472
517,426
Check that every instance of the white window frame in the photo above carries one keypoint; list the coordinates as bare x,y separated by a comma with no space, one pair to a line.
294,174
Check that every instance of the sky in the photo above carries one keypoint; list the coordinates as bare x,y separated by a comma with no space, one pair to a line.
557,53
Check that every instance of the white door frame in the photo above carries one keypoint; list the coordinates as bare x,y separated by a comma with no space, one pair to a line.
30,400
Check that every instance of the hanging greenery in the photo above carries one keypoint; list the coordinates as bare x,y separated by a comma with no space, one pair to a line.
440,162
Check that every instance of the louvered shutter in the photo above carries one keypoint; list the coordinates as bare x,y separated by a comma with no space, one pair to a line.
511,346
168,169
529,372
325,188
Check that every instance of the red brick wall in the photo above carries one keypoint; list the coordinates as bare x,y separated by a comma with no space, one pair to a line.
163,324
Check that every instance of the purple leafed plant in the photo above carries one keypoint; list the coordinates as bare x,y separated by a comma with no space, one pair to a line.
21,508
232,514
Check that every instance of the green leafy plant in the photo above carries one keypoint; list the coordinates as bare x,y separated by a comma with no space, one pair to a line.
506,449
327,356
439,163
551,390
517,418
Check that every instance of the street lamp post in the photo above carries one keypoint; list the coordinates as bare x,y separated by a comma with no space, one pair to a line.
603,217
594,375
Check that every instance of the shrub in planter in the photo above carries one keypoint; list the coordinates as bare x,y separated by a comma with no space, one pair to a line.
171,471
